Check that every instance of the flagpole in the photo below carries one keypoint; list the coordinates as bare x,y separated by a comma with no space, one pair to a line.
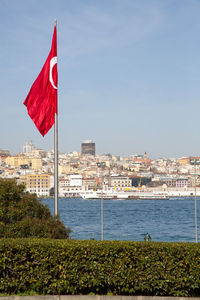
56,160
56,166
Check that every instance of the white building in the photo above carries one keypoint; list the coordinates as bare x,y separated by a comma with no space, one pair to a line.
70,187
28,147
75,180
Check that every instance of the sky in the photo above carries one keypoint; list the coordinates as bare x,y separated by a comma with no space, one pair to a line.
129,74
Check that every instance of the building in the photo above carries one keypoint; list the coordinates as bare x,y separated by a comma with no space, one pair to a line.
173,181
178,182
70,187
88,148
28,147
64,169
187,160
19,160
120,182
75,180
4,153
89,183
38,184
36,163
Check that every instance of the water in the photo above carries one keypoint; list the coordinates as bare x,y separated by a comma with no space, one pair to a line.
165,220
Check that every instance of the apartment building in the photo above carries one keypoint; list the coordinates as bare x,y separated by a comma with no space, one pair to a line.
120,182
178,183
19,160
37,184
16,161
36,163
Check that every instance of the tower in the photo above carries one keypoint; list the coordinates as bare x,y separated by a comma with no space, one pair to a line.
28,147
88,148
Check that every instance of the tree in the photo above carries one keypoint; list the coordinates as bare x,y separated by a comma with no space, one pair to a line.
23,215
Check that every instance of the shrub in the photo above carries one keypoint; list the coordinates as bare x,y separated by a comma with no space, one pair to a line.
83,267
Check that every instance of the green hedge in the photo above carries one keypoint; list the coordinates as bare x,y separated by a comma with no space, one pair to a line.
83,267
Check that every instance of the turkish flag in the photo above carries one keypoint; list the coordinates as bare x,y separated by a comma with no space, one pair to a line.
41,101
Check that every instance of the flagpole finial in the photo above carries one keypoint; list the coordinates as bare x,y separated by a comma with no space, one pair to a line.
55,22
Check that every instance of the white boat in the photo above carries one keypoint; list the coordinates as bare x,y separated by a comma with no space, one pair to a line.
89,195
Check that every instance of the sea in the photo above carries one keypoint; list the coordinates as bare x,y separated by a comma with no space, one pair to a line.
170,220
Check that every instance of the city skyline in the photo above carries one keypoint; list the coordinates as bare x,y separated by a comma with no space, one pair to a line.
31,145
128,74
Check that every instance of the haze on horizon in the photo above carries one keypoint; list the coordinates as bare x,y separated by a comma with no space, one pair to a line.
129,74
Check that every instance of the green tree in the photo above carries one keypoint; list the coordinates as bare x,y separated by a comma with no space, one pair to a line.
23,215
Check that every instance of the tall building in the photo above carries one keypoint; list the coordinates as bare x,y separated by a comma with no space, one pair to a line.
88,148
28,147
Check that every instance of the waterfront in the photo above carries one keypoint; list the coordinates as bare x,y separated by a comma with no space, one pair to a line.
165,220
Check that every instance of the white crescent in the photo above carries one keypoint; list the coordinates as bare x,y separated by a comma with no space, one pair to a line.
53,61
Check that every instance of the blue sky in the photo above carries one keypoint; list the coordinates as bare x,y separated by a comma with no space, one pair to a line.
129,74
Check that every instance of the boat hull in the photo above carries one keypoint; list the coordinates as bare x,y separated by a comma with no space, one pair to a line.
123,196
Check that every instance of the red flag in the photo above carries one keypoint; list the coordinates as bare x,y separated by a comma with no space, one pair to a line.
41,101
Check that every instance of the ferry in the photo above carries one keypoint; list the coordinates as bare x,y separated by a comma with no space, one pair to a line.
124,195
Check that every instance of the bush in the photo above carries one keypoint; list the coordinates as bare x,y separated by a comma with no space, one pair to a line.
23,215
83,267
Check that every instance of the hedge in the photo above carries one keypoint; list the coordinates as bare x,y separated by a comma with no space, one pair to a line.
36,266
